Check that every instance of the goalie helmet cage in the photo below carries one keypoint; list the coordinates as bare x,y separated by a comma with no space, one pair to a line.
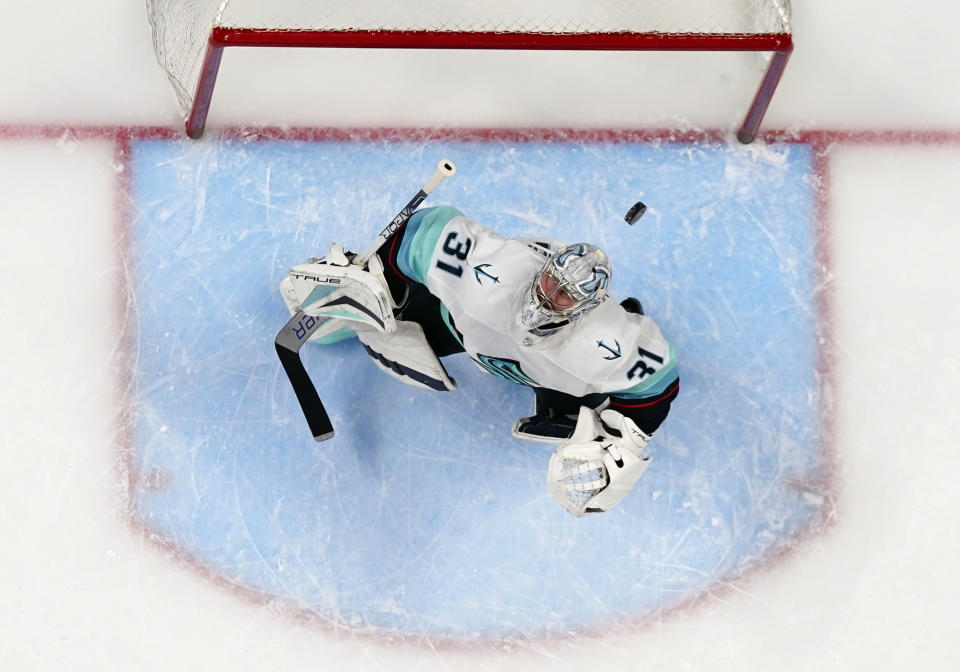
189,35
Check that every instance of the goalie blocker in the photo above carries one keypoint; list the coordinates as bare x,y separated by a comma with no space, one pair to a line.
356,301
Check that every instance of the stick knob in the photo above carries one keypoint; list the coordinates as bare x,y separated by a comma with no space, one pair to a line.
444,170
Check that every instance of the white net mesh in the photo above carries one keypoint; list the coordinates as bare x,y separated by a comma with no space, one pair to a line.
181,27
550,16
180,32
573,479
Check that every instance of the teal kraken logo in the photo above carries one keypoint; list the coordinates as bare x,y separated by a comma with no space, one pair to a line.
480,270
505,368
614,353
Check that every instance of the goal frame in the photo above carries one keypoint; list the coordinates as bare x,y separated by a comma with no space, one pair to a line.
780,45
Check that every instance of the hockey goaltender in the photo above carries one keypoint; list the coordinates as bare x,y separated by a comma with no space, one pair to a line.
533,311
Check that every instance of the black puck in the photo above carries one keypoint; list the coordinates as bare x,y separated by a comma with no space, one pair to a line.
635,213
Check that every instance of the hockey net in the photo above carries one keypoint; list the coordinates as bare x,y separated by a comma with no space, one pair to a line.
189,35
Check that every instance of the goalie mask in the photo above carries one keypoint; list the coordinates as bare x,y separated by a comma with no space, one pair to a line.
573,281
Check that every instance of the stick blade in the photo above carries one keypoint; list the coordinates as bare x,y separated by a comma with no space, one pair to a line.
288,343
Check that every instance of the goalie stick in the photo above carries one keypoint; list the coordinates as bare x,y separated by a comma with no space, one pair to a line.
301,326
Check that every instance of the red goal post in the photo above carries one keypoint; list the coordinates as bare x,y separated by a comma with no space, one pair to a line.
189,36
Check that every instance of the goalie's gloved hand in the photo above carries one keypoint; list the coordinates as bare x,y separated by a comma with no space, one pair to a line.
600,466
334,288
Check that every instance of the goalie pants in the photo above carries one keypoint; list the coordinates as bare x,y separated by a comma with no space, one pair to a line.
423,308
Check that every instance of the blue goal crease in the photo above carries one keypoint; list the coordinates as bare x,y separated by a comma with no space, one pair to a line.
424,514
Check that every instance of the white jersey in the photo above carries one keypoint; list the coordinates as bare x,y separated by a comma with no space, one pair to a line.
481,279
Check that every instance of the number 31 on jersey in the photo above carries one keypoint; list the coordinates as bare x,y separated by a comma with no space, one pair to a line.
455,251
